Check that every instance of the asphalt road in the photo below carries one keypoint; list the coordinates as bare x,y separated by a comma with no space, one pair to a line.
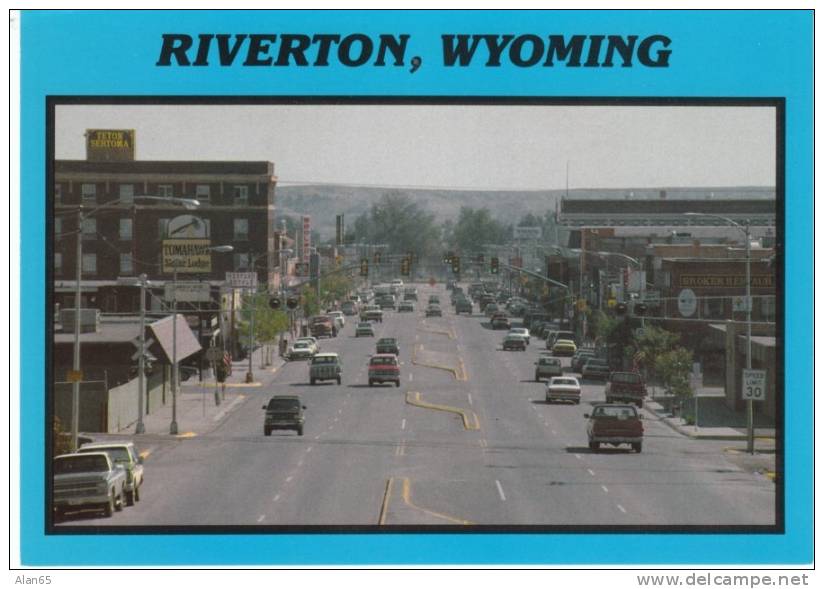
466,440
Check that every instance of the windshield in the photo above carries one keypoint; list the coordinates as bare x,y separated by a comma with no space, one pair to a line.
619,412
72,464
628,377
324,360
387,341
283,404
564,381
383,360
299,345
117,454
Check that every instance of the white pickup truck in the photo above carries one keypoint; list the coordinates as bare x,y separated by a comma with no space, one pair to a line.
89,480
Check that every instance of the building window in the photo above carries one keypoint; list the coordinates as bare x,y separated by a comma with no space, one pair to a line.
162,226
165,190
241,229
203,193
58,193
767,308
89,228
125,229
58,263
88,192
126,268
241,262
241,195
58,226
126,193
89,263
713,307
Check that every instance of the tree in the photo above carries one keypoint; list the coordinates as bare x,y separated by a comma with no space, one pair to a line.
400,223
476,228
673,368
654,343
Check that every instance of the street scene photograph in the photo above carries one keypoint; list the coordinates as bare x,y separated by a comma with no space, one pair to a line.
413,315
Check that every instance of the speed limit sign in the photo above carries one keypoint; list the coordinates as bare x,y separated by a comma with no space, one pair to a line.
753,385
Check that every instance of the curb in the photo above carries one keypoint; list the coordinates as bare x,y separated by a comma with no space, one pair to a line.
698,435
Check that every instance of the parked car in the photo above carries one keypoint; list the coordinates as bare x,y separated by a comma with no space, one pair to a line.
387,345
514,342
581,356
522,331
614,425
384,368
301,350
364,329
556,335
625,387
547,367
595,369
88,480
284,412
325,366
433,311
125,455
406,307
564,347
563,388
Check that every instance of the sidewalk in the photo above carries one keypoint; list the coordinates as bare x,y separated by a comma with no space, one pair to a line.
197,412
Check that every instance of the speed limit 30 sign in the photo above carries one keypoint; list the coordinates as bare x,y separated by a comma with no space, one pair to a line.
753,385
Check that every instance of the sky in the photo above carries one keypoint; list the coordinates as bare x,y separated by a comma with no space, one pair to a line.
454,146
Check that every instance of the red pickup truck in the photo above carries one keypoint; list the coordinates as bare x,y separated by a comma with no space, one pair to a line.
625,387
384,368
614,425
322,326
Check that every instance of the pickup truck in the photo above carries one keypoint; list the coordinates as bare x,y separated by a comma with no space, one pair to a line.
614,424
384,368
122,453
625,387
88,480
321,325
326,366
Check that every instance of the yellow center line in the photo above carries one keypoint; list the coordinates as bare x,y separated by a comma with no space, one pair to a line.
407,499
414,398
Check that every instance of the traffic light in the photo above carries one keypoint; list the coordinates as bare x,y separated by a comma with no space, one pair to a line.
364,267
274,303
456,265
621,309
639,309
405,267
292,302
493,265
447,259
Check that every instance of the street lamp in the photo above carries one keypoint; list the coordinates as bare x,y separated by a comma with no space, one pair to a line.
175,377
745,228
81,217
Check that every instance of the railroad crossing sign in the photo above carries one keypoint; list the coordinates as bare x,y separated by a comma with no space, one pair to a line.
753,385
147,344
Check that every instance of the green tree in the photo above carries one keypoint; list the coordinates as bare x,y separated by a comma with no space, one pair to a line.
654,343
400,223
268,323
476,228
673,368
602,325
335,287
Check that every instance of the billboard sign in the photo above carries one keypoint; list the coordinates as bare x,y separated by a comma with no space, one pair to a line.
307,236
187,256
187,292
110,145
242,279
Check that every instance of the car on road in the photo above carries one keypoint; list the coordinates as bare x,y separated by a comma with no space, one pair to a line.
595,369
514,342
386,301
522,331
125,455
364,329
372,313
384,368
338,318
326,366
284,412
387,345
564,347
301,350
563,388
547,367
433,300
322,326
88,480
581,356
554,336
406,307
410,293
463,305
625,387
349,308
491,309
500,321
433,311
614,424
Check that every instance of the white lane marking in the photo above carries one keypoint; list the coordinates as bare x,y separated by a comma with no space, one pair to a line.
553,431
469,395
317,437
591,473
289,478
500,490
276,498
403,424
605,489
300,462
309,449
621,507
329,428
410,378
578,456
335,419
340,411
220,414
261,518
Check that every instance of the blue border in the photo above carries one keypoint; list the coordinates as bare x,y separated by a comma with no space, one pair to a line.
733,54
